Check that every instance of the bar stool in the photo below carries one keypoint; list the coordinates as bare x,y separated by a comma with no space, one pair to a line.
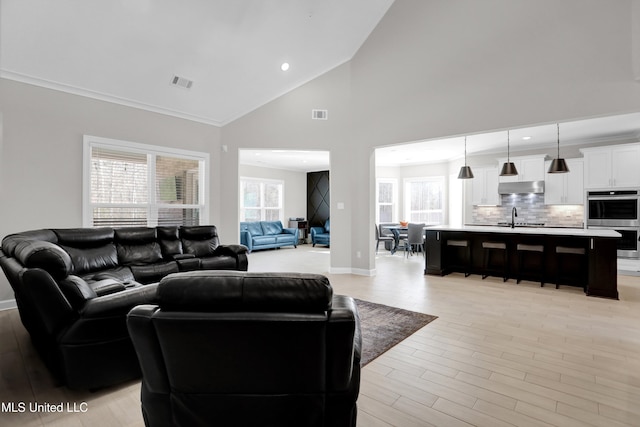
489,248
521,249
564,254
453,248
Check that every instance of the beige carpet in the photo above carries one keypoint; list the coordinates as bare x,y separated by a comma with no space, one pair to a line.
383,327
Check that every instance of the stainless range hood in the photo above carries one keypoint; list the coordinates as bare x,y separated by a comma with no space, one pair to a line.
522,187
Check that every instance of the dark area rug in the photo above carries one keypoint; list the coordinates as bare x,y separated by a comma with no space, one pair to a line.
383,327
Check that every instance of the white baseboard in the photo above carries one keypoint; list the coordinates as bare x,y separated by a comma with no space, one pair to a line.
363,272
8,304
356,271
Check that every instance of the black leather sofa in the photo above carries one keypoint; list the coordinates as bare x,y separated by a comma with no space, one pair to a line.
224,348
74,288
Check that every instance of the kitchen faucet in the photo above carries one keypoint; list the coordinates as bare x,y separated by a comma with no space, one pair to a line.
514,214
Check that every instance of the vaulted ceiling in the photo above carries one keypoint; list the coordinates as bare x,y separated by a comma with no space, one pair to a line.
129,51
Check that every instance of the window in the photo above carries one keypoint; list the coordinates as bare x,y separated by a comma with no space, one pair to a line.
261,200
129,184
424,199
386,200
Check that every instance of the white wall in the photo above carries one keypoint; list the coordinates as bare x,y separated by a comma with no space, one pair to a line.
285,124
295,188
41,162
401,173
433,69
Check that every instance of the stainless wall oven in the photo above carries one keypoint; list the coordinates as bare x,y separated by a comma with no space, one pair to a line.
617,210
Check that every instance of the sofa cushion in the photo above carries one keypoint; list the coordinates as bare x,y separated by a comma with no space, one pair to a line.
84,237
254,228
241,291
137,246
271,227
286,238
121,274
199,241
154,272
264,240
90,249
170,243
92,259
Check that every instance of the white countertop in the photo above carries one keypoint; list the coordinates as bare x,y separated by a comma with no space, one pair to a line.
576,232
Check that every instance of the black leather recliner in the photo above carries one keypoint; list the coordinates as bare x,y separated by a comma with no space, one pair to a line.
231,348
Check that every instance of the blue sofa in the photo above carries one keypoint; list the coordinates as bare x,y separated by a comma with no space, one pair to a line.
266,235
321,235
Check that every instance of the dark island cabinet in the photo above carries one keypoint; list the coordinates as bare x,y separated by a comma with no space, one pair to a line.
600,256
433,262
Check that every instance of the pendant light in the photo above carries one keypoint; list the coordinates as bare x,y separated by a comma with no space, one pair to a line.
508,169
558,165
465,171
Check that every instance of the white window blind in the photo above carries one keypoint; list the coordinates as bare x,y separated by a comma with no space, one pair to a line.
132,184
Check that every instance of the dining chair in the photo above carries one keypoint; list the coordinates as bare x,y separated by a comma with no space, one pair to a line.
381,238
415,237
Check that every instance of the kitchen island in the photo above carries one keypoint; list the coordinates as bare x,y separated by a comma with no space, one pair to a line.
600,253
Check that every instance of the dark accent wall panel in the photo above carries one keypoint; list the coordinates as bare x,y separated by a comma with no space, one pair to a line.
318,198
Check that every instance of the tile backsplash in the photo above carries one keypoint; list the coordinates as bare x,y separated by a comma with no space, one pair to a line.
531,208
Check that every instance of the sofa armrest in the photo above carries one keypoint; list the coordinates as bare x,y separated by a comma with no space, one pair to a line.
52,307
289,230
316,230
119,303
239,252
345,342
246,240
147,346
232,250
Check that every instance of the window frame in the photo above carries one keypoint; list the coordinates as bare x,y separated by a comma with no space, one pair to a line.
151,151
262,182
407,196
394,202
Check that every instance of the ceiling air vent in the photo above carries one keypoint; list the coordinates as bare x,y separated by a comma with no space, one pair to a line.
319,114
181,82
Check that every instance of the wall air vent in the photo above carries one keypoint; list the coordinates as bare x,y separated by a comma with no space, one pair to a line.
319,114
181,82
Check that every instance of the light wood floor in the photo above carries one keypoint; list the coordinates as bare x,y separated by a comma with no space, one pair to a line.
499,354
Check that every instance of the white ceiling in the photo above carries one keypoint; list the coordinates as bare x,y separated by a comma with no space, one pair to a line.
292,160
621,128
128,51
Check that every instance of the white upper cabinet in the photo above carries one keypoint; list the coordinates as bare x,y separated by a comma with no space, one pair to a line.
530,168
484,186
613,166
565,188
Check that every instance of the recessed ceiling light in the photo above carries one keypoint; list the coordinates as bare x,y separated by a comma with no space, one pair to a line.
284,66
526,138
